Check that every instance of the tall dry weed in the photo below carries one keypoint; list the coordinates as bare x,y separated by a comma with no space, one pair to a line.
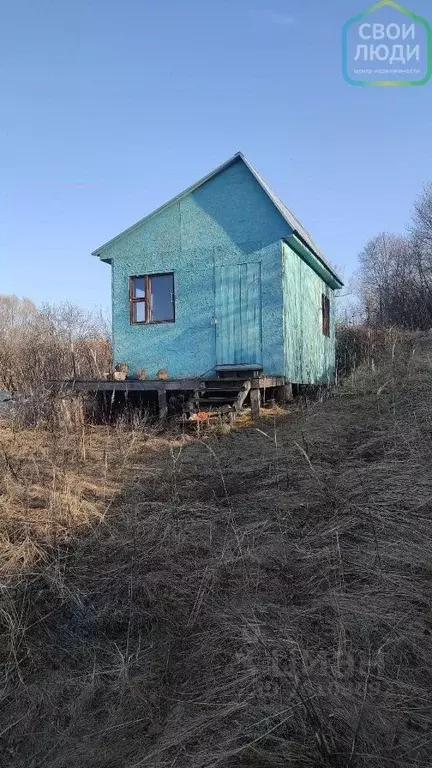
259,600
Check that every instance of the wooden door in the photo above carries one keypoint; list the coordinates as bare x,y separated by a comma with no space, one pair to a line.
238,314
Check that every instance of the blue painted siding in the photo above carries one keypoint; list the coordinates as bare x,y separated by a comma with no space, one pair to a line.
241,296
226,222
309,354
238,314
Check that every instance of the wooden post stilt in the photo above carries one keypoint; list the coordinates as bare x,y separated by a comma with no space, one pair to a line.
162,402
255,398
284,394
288,392
196,399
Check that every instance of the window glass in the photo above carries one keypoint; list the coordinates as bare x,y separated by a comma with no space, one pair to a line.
139,312
162,298
138,287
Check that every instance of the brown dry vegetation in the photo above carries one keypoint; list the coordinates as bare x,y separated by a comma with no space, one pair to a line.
260,600
51,342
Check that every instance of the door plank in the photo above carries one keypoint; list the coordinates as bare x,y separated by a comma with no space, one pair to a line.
238,314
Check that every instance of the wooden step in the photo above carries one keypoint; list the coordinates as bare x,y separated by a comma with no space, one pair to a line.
225,382
231,379
238,367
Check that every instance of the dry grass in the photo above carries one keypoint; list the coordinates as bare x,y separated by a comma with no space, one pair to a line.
56,485
48,343
257,600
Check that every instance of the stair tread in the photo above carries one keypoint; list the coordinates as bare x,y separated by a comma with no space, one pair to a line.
240,367
229,381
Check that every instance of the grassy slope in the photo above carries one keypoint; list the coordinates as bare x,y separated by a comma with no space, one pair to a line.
259,599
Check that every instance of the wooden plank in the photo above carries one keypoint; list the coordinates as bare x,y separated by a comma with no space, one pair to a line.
244,352
284,394
234,307
218,316
162,402
238,314
264,382
242,395
288,392
255,398
153,385
254,319
132,385
253,367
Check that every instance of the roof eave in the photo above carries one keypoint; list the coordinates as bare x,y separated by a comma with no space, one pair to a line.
264,186
333,280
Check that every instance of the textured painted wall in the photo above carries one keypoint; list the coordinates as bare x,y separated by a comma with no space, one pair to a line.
309,354
229,220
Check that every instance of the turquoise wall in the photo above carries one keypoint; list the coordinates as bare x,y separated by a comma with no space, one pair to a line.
228,220
309,354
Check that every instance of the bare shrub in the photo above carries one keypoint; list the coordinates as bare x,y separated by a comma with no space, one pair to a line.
362,345
52,342
40,345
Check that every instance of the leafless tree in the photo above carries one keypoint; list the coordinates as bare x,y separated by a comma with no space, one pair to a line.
396,273
51,342
421,233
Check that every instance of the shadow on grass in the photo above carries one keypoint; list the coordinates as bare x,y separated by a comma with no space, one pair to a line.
260,599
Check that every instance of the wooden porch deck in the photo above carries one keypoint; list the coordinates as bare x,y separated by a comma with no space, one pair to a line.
156,385
241,387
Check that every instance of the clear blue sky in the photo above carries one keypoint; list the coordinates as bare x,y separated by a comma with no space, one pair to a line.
110,108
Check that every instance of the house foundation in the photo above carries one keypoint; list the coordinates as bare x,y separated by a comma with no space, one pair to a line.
225,394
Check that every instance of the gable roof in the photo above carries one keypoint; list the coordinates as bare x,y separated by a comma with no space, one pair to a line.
292,221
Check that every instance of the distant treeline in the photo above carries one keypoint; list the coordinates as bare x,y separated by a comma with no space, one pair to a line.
396,273
51,342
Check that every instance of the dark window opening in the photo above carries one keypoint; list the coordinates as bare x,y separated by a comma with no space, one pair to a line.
325,302
151,298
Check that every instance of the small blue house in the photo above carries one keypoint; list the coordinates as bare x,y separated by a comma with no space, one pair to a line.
222,275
